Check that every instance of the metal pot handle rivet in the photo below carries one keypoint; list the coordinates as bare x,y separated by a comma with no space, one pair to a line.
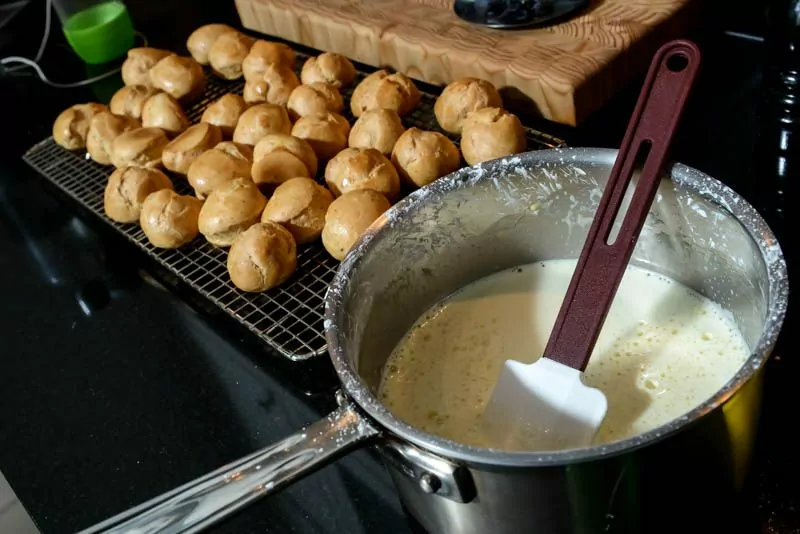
429,483
433,474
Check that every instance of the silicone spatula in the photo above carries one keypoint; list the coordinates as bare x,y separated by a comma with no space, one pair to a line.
545,405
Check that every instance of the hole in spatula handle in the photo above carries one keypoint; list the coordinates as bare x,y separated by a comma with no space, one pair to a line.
630,190
677,62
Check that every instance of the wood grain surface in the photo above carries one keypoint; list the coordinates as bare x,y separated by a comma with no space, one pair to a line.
561,72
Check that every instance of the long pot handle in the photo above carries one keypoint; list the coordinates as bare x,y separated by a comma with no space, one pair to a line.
212,497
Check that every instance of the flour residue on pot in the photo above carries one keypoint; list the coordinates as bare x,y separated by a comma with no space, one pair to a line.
664,349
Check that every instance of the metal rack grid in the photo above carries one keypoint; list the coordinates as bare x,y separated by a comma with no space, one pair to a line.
288,318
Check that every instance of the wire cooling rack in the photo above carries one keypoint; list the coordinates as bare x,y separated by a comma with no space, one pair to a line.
288,318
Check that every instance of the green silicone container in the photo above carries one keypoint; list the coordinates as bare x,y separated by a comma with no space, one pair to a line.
97,31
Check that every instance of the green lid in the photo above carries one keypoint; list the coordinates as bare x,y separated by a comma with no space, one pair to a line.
100,33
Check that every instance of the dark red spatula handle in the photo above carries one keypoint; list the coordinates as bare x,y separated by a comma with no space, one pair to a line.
601,265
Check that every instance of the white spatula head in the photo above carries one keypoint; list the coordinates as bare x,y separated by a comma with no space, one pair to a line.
560,411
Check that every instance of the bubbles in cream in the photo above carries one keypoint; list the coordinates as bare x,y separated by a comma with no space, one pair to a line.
663,350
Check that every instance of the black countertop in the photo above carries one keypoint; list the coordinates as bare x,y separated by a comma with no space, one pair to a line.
110,397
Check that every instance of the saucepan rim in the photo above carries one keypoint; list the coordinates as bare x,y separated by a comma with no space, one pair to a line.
698,182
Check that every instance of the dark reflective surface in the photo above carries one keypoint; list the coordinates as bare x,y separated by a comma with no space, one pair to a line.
103,410
778,143
516,13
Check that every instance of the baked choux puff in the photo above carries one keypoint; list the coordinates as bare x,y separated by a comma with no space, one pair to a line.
163,111
421,157
261,120
279,157
126,190
203,38
362,168
377,128
274,86
348,217
179,76
130,99
460,98
182,151
328,67
227,54
229,210
265,53
219,165
491,133
169,220
262,257
327,133
136,67
103,129
300,205
383,90
314,98
72,125
225,112
141,147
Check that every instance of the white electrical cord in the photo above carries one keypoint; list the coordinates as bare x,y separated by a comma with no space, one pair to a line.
42,45
35,66
34,63
47,14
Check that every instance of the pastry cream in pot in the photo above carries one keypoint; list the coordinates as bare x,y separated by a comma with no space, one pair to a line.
663,350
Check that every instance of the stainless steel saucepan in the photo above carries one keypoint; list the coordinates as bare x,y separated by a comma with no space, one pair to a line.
681,477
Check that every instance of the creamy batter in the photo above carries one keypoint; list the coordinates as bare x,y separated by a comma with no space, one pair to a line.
663,350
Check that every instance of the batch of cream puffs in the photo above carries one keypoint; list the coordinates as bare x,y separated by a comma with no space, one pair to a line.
252,160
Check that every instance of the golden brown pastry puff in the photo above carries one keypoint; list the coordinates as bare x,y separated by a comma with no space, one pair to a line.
461,97
274,86
222,164
362,168
326,133
377,128
491,133
182,77
328,67
136,68
163,111
260,120
229,210
130,99
228,52
126,190
72,125
382,90
265,53
300,205
262,257
225,113
203,38
348,217
317,97
182,151
279,157
421,157
288,143
169,220
104,128
140,147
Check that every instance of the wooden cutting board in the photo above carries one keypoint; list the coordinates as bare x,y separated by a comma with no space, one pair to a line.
561,72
